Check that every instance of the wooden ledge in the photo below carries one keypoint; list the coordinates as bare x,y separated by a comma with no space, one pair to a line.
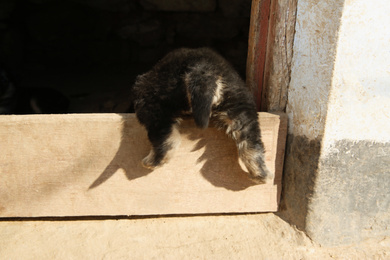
90,165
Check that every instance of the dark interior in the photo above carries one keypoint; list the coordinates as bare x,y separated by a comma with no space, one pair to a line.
81,56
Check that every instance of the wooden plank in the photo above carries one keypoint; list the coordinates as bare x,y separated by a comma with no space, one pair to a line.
257,46
279,55
89,165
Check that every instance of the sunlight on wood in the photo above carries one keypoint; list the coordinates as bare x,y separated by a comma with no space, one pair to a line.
90,164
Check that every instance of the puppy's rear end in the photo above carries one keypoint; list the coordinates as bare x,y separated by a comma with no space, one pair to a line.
203,83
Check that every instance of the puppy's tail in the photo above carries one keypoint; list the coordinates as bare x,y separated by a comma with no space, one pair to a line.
201,86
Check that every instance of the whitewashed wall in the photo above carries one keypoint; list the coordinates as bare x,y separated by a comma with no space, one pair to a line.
359,104
336,176
340,77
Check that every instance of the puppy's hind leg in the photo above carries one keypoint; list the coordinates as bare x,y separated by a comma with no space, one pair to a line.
246,133
252,155
164,139
251,152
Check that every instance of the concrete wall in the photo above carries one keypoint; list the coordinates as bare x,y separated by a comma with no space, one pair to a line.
336,184
359,107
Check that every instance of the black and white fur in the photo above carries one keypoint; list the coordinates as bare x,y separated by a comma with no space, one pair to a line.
202,83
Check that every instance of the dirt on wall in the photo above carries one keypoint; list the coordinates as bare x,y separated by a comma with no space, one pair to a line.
300,172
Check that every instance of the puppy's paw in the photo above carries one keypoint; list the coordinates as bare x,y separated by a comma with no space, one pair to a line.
256,169
150,162
262,177
258,179
148,165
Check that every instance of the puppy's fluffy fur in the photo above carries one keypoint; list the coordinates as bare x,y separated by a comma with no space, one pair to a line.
202,83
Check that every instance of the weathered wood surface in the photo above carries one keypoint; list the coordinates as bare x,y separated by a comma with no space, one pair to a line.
89,165
279,54
257,47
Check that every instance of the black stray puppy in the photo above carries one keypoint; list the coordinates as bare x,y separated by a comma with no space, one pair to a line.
202,83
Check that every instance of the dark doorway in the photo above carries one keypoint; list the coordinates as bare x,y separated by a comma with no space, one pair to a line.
89,52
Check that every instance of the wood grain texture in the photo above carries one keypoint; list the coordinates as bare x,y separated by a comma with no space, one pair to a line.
257,46
89,165
279,53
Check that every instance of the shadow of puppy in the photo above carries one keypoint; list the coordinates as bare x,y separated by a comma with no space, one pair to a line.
129,155
219,157
220,165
